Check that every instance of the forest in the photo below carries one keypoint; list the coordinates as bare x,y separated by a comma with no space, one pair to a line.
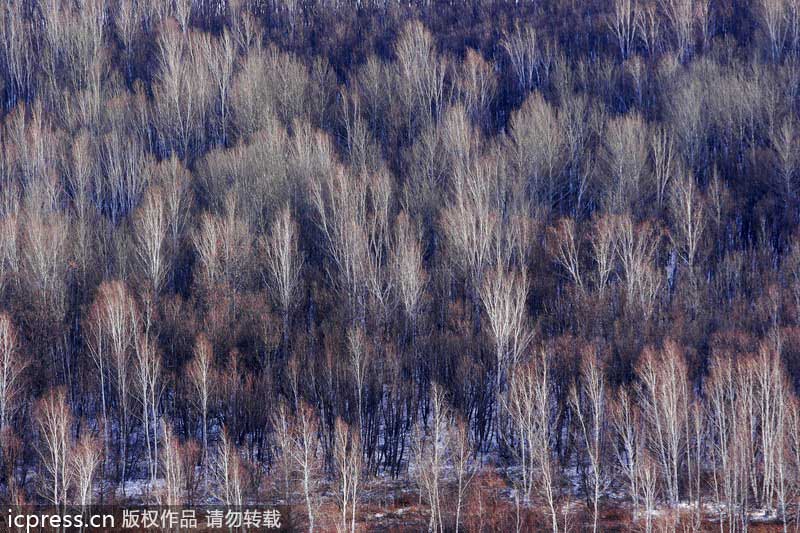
473,265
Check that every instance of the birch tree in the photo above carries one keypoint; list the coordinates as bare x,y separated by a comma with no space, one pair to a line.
626,158
687,210
530,405
588,399
303,449
408,271
283,266
84,462
623,25
347,459
504,296
114,328
664,402
773,16
151,239
431,457
465,468
523,50
201,375
148,389
784,144
12,367
680,19
54,419
171,469
626,418
565,249
663,161
421,73
228,473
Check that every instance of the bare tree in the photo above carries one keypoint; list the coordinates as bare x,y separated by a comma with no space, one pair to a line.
504,296
627,421
303,448
579,122
538,147
687,208
720,395
171,469
127,20
19,57
664,401
228,473
530,404
84,462
588,399
623,25
460,142
282,434
465,468
224,247
784,144
408,270
148,390
770,382
290,85
469,225
648,26
522,47
680,16
792,455
54,419
340,202
9,249
431,457
636,249
45,250
175,184
626,146
784,473
363,151
347,458
745,443
379,246
284,264
359,362
182,89
773,15
151,238
565,249
220,56
793,34
251,97
79,178
604,244
420,72
647,480
123,180
200,374
12,366
114,327
731,407
478,85
661,151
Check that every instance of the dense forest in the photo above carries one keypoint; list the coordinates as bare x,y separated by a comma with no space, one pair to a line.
458,266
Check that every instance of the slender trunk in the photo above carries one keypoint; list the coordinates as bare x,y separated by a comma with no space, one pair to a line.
146,419
309,506
596,502
458,501
106,437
